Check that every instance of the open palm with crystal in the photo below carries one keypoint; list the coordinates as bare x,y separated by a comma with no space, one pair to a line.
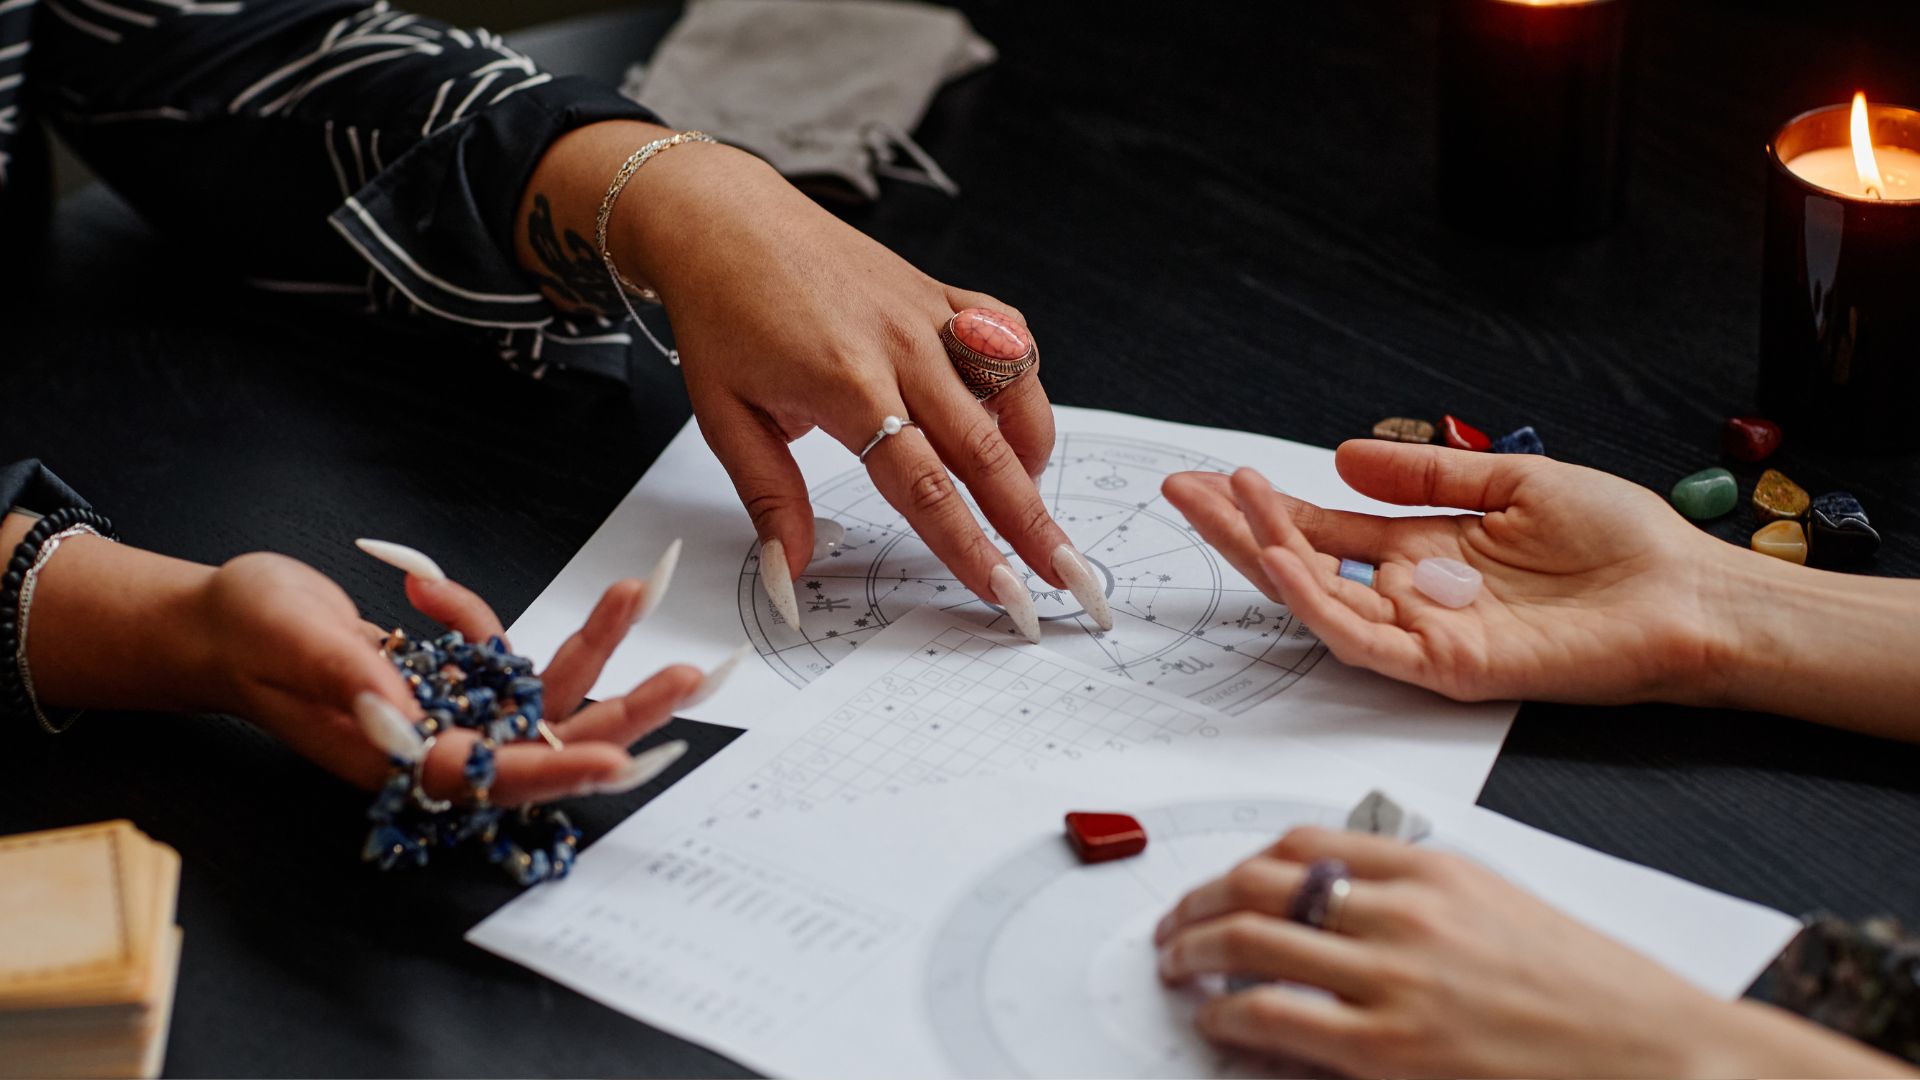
1594,589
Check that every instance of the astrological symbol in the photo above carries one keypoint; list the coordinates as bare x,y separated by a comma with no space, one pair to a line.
1253,617
827,604
1111,482
1191,665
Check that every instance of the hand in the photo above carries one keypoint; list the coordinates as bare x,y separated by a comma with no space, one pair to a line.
1595,590
1439,968
788,319
294,656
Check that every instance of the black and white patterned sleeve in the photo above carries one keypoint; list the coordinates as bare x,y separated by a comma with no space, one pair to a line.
332,148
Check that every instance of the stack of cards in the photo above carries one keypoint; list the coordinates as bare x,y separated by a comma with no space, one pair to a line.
88,951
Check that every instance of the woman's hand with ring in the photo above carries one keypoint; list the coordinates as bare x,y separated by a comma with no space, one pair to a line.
1439,968
787,319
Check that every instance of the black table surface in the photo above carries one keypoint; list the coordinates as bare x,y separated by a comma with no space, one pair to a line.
1213,213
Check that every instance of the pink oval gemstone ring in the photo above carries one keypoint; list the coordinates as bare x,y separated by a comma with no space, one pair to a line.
990,349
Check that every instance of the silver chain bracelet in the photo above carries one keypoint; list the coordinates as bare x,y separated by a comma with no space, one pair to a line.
27,583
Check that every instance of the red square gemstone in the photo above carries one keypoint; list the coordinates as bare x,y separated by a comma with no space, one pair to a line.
1103,837
1464,436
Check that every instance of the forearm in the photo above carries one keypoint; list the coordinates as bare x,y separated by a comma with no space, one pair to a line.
1750,1039
113,626
1833,648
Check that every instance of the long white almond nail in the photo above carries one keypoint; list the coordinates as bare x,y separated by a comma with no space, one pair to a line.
1013,596
387,727
402,557
1077,572
710,684
643,767
658,580
778,582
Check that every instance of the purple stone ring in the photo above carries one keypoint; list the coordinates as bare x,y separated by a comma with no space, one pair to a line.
1322,896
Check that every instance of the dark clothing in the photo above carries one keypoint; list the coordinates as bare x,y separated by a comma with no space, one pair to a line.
328,148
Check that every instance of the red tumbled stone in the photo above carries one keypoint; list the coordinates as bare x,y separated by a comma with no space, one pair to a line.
992,333
1103,837
1464,436
1749,438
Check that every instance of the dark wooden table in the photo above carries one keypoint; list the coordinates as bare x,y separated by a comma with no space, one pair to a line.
1217,213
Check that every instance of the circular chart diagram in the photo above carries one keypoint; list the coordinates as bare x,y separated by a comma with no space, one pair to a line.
1046,967
1185,621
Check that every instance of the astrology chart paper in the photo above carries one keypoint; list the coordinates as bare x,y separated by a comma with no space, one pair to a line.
1186,621
874,882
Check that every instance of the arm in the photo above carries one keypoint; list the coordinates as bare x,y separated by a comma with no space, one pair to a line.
434,172
268,639
1595,591
1832,648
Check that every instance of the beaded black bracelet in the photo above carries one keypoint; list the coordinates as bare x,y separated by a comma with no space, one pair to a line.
16,702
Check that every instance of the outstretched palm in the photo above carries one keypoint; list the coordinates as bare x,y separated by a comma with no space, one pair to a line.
1593,586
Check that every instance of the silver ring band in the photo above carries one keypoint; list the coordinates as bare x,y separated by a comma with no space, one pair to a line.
892,425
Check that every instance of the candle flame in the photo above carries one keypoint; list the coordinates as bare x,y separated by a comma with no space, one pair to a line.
1863,159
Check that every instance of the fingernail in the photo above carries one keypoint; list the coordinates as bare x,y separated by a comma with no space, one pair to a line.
658,580
387,727
1164,962
778,583
1077,572
1161,928
828,535
1013,596
710,684
643,767
402,557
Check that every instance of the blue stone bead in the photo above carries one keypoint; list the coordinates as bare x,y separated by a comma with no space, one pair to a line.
480,702
480,766
1355,570
539,865
1523,441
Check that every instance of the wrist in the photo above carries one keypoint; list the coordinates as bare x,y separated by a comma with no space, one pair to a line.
679,205
1813,644
117,627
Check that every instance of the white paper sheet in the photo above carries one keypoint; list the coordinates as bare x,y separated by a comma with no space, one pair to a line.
873,881
1187,622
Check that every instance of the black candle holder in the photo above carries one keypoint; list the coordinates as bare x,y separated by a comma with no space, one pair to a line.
1840,293
1533,104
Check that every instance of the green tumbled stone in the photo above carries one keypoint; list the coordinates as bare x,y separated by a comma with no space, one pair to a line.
1706,494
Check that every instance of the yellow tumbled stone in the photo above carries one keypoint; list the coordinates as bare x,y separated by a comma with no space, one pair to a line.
1776,498
1782,540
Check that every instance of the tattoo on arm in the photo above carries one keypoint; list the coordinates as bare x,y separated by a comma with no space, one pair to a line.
574,272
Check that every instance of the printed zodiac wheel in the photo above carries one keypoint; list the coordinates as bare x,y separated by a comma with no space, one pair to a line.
1184,620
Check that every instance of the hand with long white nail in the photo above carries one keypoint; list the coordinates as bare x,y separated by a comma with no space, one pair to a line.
292,654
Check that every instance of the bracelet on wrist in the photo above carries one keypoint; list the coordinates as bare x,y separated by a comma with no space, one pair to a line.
621,286
17,697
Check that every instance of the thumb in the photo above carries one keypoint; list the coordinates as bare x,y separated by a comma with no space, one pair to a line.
770,486
1409,474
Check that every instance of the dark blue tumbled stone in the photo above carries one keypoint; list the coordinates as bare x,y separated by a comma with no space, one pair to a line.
480,767
1522,441
1838,533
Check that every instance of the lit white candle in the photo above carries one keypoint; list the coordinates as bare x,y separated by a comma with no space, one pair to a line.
1862,170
